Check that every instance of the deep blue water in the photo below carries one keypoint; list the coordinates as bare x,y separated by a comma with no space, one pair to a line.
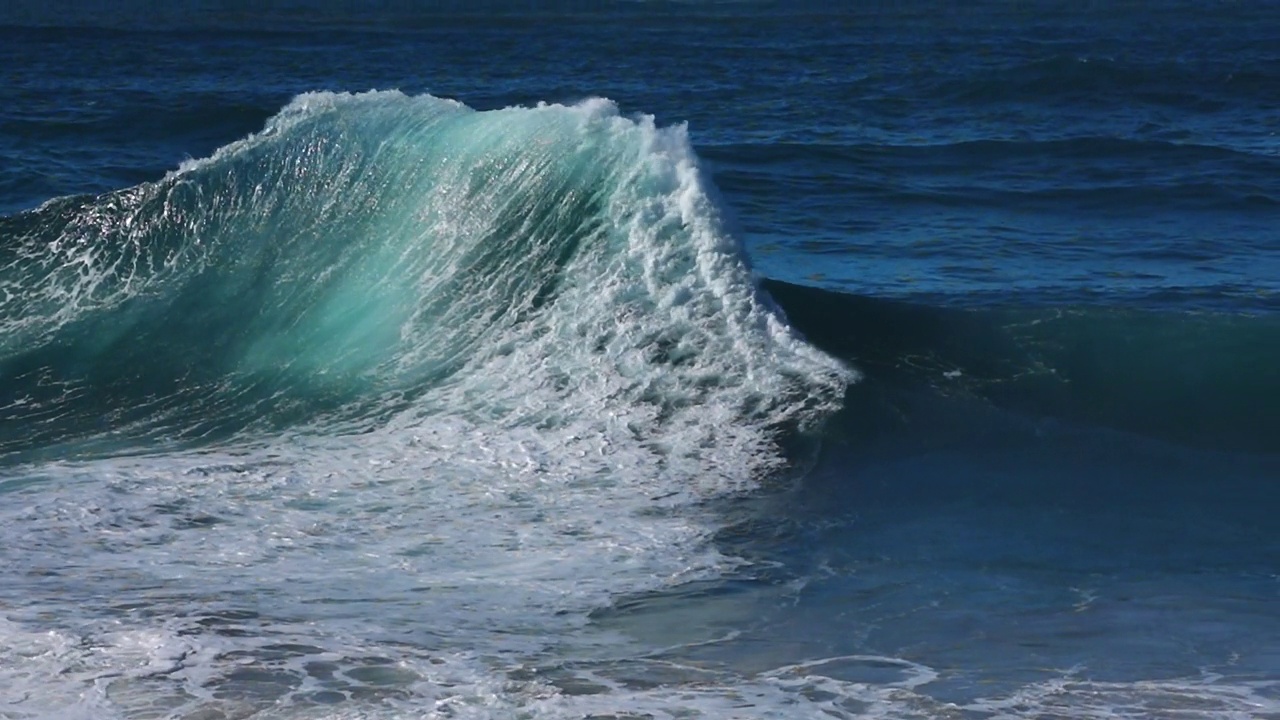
644,359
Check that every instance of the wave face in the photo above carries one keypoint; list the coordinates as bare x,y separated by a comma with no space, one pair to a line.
1209,380
374,405
379,256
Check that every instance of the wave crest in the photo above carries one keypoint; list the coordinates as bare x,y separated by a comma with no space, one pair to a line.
378,256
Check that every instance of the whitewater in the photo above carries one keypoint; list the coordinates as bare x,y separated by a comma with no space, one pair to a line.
379,411
390,368
846,362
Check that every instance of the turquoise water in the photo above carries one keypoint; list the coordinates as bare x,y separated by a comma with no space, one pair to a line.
639,360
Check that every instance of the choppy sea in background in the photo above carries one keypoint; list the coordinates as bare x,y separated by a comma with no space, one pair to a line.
369,360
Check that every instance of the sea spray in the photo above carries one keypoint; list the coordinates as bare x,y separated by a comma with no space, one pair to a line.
367,256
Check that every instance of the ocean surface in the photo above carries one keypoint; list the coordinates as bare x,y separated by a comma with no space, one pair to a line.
622,360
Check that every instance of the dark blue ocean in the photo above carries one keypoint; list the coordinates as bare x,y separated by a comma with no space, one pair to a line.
664,360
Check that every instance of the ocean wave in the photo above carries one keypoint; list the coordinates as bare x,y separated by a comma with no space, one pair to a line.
1198,378
379,258
373,256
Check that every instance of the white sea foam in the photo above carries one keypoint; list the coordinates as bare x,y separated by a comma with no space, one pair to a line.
527,429
554,357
